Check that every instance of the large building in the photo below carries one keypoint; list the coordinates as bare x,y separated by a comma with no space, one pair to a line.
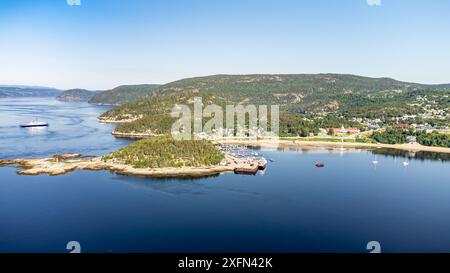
343,130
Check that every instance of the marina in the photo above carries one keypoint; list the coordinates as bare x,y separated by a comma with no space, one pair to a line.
250,161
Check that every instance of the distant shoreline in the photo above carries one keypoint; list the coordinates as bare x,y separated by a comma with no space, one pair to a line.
334,145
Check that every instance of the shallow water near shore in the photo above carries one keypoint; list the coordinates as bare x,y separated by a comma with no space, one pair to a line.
293,207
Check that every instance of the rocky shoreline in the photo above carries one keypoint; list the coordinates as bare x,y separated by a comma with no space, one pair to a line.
114,121
133,135
67,163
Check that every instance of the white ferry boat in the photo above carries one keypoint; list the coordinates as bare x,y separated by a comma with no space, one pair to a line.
34,123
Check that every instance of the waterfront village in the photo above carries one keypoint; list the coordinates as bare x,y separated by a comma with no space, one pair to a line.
429,118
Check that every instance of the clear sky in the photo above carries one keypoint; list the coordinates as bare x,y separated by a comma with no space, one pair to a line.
100,44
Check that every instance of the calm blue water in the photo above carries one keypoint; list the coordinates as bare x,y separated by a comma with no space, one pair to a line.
294,207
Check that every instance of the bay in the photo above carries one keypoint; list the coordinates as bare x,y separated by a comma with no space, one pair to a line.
292,207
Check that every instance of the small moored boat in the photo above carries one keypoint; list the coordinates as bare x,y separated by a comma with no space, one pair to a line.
262,164
320,165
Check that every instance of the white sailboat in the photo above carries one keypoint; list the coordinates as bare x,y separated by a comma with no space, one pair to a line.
375,161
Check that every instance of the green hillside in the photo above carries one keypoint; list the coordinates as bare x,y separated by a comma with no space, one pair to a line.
298,93
304,95
122,94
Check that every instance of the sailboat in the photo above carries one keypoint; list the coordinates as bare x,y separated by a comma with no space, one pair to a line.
375,161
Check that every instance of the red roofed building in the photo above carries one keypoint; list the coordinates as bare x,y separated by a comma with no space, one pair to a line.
402,126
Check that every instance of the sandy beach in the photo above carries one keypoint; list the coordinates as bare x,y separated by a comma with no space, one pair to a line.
334,145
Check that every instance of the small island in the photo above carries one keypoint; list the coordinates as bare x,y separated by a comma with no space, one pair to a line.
152,157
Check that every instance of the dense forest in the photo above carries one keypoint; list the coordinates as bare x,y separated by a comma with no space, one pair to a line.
162,152
434,139
399,136
303,126
297,94
304,92
155,124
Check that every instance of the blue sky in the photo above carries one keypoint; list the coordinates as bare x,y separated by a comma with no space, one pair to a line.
100,44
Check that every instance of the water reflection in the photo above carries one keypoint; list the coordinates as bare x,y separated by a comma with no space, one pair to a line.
394,153
169,186
418,155
36,131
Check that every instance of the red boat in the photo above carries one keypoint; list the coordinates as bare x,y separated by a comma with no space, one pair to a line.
320,165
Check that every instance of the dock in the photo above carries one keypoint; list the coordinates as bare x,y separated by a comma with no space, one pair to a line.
248,161
250,170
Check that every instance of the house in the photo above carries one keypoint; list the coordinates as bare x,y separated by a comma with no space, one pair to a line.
373,126
411,139
402,126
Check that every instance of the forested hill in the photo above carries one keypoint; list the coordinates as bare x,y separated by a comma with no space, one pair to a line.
297,95
122,94
305,90
303,93
76,95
